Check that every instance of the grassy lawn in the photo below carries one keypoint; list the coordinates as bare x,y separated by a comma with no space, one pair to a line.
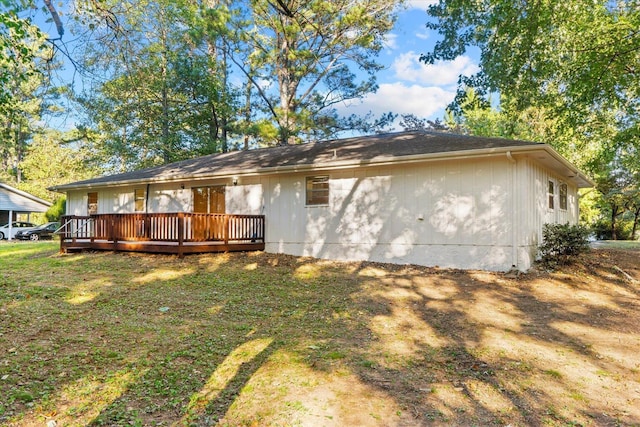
108,339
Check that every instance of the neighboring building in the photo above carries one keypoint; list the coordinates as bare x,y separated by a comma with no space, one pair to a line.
14,202
427,198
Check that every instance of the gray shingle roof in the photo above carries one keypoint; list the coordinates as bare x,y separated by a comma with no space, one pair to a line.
357,150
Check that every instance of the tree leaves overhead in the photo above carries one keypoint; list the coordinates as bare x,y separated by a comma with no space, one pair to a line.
306,49
578,56
20,45
159,81
187,78
163,97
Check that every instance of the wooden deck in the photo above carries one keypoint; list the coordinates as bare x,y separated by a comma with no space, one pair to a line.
175,233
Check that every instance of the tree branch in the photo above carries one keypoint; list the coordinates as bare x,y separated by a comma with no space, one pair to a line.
56,17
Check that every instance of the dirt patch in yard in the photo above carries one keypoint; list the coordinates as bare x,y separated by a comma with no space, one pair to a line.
262,339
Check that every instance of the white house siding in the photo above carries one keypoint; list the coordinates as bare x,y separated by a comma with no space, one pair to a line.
169,198
533,210
451,214
162,198
116,200
76,204
246,198
482,213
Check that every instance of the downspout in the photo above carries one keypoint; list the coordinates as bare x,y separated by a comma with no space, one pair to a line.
514,222
146,200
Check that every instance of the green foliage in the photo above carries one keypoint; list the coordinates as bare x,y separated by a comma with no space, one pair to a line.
561,243
58,209
49,161
164,97
474,116
617,198
168,92
569,55
20,45
299,64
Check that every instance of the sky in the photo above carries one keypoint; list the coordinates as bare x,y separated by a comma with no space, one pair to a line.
407,86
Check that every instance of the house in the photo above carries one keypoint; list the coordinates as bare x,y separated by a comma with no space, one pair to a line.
427,198
14,202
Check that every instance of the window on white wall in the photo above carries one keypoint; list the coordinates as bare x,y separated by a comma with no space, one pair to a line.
209,199
563,196
92,203
139,199
317,190
551,192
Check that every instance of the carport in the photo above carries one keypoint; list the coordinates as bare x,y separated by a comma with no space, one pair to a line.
14,201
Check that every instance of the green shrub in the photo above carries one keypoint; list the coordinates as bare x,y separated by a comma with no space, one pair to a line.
561,243
57,209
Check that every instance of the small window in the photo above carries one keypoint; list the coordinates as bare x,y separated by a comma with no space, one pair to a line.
139,199
92,203
551,194
317,190
563,196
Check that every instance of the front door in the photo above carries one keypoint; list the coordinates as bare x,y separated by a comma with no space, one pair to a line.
208,200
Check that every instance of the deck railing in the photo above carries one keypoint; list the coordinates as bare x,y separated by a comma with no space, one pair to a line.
179,229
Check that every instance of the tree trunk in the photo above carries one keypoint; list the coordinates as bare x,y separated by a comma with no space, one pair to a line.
224,120
219,62
247,113
166,145
614,215
636,218
287,86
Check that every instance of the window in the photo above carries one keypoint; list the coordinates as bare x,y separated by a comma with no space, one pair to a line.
92,203
318,190
208,199
551,194
563,196
139,199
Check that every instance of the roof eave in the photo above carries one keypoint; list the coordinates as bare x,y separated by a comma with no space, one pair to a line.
579,178
574,175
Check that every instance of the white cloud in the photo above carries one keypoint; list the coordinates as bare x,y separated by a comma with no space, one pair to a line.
264,83
408,67
423,101
391,41
420,4
423,35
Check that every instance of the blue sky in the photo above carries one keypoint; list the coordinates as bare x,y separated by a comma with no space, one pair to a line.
407,86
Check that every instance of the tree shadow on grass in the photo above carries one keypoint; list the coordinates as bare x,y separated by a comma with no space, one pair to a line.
443,346
176,382
503,351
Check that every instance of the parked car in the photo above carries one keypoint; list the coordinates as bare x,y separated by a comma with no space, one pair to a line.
15,227
44,231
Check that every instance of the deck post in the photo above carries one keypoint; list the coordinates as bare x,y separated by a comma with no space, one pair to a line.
180,234
112,232
74,224
226,229
147,226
